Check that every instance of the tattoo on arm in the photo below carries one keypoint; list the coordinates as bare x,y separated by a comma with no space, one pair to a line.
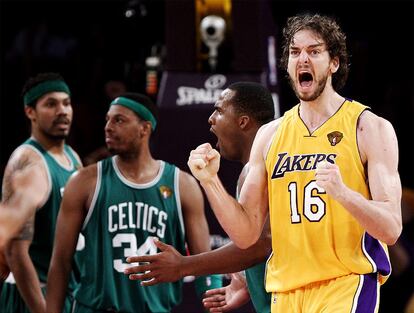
9,191
20,165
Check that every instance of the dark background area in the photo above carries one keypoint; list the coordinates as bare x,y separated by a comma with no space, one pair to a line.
90,42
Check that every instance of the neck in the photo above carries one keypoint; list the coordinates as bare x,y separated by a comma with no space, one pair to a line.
247,145
315,113
55,146
139,168
245,157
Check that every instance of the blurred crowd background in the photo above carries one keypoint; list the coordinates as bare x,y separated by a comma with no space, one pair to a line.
103,48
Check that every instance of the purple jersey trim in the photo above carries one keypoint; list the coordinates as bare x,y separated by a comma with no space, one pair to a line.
376,254
366,296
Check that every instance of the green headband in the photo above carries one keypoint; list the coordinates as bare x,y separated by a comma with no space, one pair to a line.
138,108
43,88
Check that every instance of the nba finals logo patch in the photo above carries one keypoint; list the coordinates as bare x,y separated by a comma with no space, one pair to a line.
165,191
335,137
274,298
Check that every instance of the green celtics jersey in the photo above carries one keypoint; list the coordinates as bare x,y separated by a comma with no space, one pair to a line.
122,221
255,282
45,220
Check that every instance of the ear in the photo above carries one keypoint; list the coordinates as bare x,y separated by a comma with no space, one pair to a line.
30,112
146,128
244,121
334,65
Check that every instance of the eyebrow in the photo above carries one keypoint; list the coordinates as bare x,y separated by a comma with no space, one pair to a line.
52,98
292,46
114,115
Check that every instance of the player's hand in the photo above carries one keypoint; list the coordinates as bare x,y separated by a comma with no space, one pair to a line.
229,297
163,267
204,162
329,178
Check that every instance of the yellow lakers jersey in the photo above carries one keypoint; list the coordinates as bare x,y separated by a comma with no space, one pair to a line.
314,238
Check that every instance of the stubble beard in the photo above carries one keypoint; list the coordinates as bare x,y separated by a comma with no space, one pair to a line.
57,137
321,84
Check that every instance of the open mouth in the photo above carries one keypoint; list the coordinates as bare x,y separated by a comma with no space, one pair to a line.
217,143
305,79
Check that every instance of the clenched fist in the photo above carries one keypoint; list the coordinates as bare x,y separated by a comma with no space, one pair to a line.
204,162
329,178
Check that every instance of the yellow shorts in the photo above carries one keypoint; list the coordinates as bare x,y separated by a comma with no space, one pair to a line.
348,294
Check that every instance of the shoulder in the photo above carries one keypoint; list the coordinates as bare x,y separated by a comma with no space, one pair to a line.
75,154
26,173
25,152
80,190
83,179
86,173
270,127
374,132
268,131
183,176
369,121
186,179
23,157
190,190
371,126
265,136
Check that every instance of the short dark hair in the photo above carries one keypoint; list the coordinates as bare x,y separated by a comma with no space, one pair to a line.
144,100
329,30
253,99
38,79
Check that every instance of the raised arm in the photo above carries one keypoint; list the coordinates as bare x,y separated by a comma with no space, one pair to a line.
25,188
243,221
381,215
69,222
